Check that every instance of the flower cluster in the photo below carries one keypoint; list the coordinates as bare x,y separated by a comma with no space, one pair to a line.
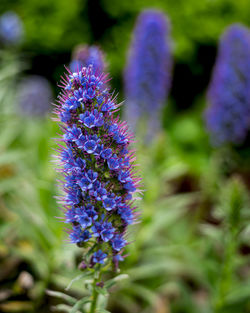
11,28
34,96
147,75
228,115
85,55
98,168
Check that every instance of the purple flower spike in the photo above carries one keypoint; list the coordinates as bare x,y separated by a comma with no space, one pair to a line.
147,75
98,168
228,114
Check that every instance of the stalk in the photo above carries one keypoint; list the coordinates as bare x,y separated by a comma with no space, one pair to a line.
94,294
227,272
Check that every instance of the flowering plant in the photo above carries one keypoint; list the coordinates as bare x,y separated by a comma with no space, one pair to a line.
99,172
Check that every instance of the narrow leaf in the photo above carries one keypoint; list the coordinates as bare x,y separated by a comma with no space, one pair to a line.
121,277
77,278
103,291
79,305
113,281
61,308
61,295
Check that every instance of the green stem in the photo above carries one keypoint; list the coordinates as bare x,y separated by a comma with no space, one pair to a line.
225,280
95,294
94,301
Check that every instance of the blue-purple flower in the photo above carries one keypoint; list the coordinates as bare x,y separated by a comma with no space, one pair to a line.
228,114
99,257
98,168
85,55
147,75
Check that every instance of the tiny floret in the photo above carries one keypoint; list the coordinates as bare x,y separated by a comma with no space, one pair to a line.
99,257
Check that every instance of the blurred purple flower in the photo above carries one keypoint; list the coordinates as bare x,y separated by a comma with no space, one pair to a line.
85,55
228,114
147,75
11,28
34,96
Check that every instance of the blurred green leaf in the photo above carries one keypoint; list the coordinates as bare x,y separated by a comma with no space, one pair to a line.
63,296
82,276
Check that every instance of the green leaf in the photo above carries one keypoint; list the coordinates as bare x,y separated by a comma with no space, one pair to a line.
113,281
61,308
78,278
238,294
144,293
62,295
110,283
103,291
80,304
102,311
121,277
